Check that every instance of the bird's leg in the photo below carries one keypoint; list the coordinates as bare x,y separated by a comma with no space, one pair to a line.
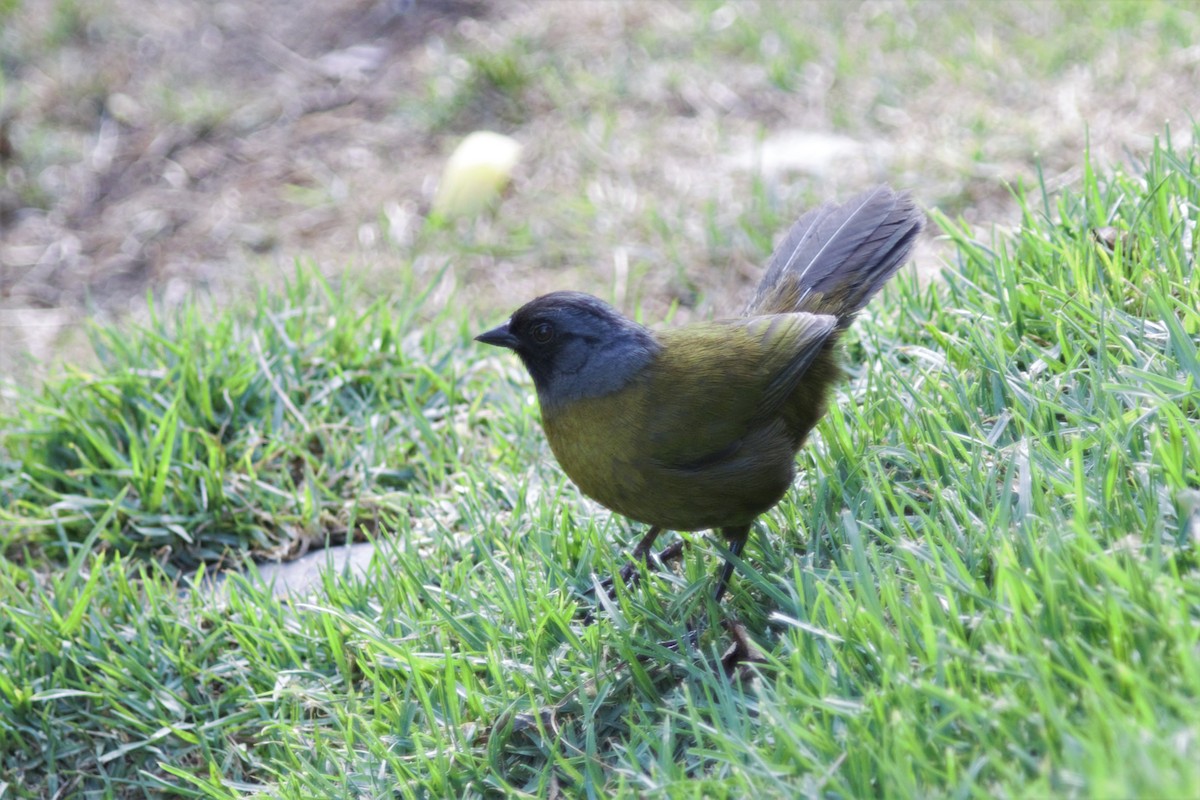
640,553
630,569
653,560
643,547
737,541
643,552
629,572
743,650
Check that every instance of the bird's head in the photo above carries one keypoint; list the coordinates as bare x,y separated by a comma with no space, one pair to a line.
575,346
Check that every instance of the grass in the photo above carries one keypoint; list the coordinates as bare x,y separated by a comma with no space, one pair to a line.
242,433
985,583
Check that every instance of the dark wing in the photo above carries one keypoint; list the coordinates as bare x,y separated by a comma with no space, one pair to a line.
718,383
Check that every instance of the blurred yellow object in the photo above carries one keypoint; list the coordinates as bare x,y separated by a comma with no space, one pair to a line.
475,174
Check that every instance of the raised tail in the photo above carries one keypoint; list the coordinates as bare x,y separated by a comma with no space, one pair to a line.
837,256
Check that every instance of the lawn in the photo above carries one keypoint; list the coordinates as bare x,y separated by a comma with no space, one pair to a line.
984,584
230,334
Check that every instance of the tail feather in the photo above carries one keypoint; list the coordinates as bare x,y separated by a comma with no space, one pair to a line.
836,257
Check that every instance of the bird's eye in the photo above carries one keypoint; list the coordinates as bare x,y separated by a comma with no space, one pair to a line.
542,332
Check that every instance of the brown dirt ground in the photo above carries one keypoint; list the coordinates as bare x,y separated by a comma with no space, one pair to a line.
202,147
276,144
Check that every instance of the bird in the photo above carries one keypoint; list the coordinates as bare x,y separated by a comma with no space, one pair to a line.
698,427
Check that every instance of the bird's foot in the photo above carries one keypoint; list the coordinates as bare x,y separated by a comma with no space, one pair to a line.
629,573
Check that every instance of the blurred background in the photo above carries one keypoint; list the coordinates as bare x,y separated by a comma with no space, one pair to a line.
182,149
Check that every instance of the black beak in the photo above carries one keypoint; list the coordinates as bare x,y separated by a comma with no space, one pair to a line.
501,337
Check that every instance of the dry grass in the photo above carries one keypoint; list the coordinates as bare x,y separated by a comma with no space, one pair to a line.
203,147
